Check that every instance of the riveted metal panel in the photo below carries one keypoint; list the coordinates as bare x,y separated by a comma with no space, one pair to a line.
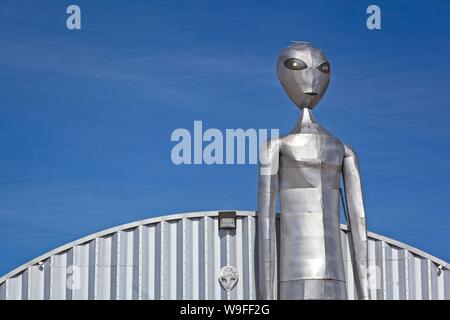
36,282
447,284
202,259
15,287
440,284
418,277
25,277
128,265
169,259
424,274
135,265
375,272
3,291
379,269
434,281
47,278
389,273
223,234
348,267
253,258
158,264
237,248
401,273
187,253
114,257
80,288
196,256
91,268
148,262
104,268
180,260
58,281
210,262
69,273
246,251
180,256
412,279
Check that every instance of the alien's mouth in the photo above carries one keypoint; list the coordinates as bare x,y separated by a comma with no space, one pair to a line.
311,93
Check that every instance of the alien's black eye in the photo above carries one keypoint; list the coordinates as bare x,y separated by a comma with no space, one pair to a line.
324,67
295,64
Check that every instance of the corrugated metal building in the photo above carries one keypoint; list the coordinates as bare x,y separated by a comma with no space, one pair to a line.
179,257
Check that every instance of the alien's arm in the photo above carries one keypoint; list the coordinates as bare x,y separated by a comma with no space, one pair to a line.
267,199
356,221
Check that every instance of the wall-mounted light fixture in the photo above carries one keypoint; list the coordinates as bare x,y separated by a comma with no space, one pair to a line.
440,267
227,219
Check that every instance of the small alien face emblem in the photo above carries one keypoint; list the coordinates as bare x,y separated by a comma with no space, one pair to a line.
228,278
304,73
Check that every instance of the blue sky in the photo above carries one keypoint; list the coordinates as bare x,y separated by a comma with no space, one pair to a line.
86,116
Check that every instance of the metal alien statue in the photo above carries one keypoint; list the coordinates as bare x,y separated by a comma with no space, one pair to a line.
305,167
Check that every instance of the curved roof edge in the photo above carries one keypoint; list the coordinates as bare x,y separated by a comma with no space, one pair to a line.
196,214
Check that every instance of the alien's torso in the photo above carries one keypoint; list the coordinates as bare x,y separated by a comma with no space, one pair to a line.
310,162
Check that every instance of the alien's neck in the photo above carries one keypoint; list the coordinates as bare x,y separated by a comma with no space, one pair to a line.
306,119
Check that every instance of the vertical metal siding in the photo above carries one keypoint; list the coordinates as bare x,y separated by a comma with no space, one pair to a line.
180,258
36,283
69,273
3,291
58,283
446,275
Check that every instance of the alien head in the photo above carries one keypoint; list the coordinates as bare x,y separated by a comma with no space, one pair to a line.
304,73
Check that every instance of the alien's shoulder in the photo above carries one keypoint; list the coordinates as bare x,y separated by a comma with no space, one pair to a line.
349,151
